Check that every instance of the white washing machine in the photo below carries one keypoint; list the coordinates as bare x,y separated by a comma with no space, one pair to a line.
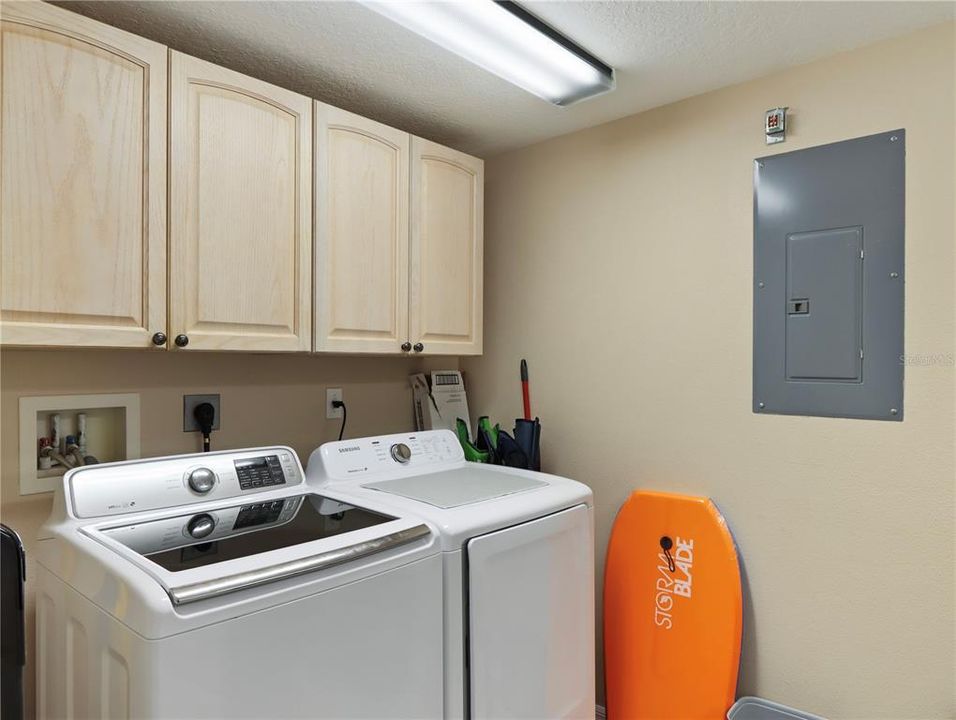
518,557
222,586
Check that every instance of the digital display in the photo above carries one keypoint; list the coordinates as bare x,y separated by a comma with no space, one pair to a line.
252,462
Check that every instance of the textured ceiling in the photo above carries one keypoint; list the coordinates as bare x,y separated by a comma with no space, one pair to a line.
347,55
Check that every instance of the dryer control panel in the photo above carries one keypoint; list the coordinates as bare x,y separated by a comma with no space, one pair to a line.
138,485
385,456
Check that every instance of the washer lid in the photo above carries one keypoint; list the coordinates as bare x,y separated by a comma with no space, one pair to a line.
452,488
183,542
220,550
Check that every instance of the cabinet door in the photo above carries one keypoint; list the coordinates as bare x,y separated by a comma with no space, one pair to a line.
361,234
240,230
83,176
446,250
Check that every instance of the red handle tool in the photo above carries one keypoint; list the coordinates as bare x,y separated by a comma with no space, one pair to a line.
525,393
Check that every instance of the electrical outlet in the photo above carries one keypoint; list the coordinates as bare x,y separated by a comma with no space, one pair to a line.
330,395
189,404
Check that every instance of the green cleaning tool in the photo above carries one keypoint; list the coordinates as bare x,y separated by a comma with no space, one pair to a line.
472,454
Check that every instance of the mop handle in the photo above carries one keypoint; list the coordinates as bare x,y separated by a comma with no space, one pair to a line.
525,393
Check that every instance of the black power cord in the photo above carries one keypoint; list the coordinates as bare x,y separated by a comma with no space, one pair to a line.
205,415
345,415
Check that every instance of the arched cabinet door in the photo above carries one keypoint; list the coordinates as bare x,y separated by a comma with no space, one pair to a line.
447,198
83,177
361,234
240,233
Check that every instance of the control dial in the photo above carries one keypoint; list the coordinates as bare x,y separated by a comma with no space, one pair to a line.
401,453
201,480
200,526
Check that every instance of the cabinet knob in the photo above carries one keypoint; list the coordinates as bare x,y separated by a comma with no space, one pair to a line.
406,346
419,347
181,341
159,338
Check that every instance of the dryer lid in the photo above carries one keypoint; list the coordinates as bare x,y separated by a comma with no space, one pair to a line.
453,488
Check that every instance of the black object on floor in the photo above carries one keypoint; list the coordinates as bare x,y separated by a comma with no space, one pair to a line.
12,644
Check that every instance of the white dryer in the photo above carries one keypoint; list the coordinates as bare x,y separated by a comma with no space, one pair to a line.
222,586
518,556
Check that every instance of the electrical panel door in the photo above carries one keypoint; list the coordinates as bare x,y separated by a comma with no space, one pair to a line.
828,279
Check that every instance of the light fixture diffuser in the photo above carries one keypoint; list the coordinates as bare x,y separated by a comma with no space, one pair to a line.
507,40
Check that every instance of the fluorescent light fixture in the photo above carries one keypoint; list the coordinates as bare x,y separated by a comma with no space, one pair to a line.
504,38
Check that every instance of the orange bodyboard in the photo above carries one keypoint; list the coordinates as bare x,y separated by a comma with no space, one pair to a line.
672,619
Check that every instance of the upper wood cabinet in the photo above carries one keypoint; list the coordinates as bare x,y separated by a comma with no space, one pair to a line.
240,194
83,177
445,287
88,214
361,234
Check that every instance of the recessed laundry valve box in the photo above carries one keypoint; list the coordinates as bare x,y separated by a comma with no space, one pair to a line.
828,279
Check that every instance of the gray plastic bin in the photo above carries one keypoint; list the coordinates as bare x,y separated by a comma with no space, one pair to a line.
752,708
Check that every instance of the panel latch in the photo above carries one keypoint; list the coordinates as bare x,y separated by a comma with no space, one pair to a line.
798,306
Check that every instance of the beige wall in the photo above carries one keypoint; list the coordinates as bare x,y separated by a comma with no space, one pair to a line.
266,399
619,261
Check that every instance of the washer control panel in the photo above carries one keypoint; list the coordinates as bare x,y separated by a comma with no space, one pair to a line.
387,455
139,485
259,472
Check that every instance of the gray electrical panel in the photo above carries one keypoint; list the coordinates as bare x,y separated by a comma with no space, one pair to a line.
828,279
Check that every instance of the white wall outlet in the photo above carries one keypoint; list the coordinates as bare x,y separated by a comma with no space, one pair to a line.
330,395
